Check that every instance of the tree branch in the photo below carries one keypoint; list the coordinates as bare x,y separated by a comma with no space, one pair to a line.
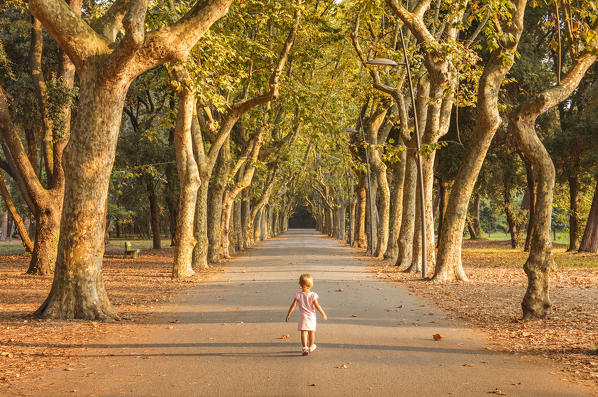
110,24
69,30
172,43
134,24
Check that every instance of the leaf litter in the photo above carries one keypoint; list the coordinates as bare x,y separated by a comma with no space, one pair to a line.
29,345
491,301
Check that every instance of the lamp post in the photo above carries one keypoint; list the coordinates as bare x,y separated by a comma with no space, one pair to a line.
367,164
420,176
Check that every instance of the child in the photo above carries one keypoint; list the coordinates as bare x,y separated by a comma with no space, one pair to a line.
308,304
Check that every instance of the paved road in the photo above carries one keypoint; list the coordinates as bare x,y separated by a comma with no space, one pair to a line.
228,340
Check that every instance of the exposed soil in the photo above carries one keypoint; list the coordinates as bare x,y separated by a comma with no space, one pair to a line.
135,286
491,302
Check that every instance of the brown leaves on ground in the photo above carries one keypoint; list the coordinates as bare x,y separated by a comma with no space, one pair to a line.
492,302
437,337
135,286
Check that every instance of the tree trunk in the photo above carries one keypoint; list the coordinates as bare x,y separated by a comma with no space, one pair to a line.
329,222
359,240
416,248
573,212
47,230
396,208
351,234
4,227
78,288
28,244
200,251
536,302
532,187
238,226
449,266
471,229
245,219
341,212
514,226
215,199
171,202
383,192
154,214
589,241
409,204
477,226
443,196
428,171
189,182
227,209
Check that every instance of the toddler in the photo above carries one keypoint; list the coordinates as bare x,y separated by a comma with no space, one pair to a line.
308,304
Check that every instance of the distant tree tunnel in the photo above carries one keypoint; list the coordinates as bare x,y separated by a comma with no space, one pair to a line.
302,219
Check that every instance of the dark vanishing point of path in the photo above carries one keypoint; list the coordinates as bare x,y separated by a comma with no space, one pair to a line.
228,340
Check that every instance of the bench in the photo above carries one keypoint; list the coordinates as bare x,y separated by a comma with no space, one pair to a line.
130,251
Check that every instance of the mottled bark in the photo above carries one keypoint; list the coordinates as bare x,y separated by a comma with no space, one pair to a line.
373,128
360,239
589,241
269,185
352,210
443,194
189,181
4,226
215,199
532,187
341,216
396,207
477,226
237,227
105,72
449,266
409,204
540,263
78,288
41,92
172,202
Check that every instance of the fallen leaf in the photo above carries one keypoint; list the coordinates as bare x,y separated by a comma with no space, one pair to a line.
437,337
285,336
342,366
497,391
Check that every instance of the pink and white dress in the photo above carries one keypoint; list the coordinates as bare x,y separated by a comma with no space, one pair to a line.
307,310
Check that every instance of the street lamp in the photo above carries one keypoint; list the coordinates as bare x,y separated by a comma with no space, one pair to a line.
367,163
420,177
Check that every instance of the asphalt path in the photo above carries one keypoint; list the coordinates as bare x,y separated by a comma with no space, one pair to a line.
227,337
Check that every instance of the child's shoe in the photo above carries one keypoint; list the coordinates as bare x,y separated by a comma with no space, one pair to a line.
312,348
305,351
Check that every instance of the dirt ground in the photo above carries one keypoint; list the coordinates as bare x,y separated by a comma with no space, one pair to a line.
26,342
491,302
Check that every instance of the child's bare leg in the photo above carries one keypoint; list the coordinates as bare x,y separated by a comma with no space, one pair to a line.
312,338
304,338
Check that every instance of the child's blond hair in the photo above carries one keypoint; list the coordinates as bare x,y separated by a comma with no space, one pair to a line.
305,281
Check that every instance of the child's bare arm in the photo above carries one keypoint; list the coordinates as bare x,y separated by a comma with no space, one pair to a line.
319,308
293,305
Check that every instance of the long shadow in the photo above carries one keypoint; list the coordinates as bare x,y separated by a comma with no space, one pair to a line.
400,348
